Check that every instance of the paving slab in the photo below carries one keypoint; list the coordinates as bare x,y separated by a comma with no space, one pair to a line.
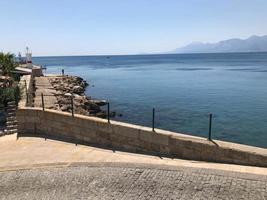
43,86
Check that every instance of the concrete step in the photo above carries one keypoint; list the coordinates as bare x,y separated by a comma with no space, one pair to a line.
11,110
11,131
11,118
15,122
10,127
10,114
11,107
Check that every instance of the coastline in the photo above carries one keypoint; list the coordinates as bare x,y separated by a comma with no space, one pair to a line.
67,87
91,130
182,93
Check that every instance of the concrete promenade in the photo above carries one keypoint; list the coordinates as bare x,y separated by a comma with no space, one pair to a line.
50,169
42,85
31,152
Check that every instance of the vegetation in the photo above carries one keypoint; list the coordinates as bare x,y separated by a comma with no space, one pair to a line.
9,90
7,63
9,94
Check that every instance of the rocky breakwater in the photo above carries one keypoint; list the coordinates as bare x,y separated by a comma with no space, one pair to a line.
68,87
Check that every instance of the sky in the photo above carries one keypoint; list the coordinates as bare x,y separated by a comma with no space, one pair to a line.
107,27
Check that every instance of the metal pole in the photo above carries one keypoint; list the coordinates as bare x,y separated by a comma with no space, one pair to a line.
210,124
26,86
72,111
27,98
43,101
153,120
26,90
108,114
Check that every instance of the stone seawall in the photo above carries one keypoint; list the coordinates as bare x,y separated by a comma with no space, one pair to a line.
133,138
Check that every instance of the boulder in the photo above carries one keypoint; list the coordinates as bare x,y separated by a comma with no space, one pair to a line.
73,86
77,89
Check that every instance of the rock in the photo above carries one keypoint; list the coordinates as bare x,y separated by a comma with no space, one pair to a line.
67,94
101,114
78,89
99,102
65,107
69,86
94,107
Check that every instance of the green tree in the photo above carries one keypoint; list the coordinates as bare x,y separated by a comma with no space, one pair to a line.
7,63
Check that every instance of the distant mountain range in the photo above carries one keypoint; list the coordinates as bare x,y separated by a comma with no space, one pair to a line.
251,44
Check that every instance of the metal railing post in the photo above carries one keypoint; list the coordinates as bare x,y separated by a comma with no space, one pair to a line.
27,98
153,120
108,113
72,107
210,125
26,90
26,86
43,101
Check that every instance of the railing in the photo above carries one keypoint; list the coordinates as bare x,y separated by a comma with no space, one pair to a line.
72,111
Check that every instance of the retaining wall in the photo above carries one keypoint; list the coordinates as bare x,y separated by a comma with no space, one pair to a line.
26,86
133,138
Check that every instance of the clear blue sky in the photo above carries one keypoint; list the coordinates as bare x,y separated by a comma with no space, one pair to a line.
86,27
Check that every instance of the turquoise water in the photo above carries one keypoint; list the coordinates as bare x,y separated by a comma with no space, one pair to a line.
183,88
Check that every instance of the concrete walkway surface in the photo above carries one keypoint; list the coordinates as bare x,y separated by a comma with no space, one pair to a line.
32,152
35,168
43,86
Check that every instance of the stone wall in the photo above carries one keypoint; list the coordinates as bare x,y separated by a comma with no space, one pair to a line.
26,86
37,71
133,138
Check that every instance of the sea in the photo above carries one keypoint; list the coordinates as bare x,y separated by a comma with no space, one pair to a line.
184,89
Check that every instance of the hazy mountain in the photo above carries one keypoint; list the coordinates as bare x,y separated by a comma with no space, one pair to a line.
251,44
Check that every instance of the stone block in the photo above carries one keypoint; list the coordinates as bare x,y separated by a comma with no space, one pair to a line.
128,148
88,124
31,112
32,119
102,135
49,116
146,135
75,130
125,131
144,145
88,133
164,149
104,127
160,139
20,113
58,125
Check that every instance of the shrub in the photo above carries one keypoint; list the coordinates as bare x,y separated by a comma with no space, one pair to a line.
7,63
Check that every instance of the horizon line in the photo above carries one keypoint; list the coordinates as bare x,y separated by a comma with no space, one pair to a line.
145,54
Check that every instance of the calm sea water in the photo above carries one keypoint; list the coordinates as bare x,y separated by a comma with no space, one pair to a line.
182,88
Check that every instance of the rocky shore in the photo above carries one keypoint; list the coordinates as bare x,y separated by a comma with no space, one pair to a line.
68,87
